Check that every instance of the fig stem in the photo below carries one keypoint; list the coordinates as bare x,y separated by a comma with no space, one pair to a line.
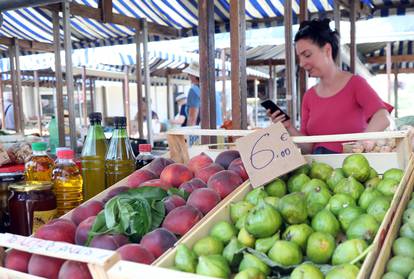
362,255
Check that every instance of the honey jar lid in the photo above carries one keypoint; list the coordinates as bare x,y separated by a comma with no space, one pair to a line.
27,186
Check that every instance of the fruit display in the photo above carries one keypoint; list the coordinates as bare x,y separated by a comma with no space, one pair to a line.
315,222
401,260
141,217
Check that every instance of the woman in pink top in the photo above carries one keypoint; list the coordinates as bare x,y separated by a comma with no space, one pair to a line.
341,102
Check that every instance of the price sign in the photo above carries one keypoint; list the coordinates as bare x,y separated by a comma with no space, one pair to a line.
268,154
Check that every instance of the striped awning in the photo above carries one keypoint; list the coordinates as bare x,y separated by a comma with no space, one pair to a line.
36,23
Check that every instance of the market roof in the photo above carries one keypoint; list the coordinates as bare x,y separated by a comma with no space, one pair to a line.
35,24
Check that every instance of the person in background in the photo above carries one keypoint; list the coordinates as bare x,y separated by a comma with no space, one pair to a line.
193,96
9,110
181,118
341,102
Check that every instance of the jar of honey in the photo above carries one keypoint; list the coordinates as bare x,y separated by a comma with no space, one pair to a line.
31,204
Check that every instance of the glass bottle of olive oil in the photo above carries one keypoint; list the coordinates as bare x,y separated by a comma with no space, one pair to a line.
93,158
120,159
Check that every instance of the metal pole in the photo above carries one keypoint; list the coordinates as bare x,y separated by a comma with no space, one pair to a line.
69,73
147,80
38,106
353,50
170,98
60,118
14,88
19,87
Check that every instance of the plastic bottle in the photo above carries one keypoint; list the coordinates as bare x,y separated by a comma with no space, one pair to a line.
145,156
53,135
67,182
40,166
93,158
120,159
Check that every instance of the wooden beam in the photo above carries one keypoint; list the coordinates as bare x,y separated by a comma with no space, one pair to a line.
138,76
396,94
28,45
207,69
60,118
127,100
84,100
265,62
106,10
394,59
96,13
388,67
92,93
38,102
400,71
352,46
238,63
223,86
147,80
19,89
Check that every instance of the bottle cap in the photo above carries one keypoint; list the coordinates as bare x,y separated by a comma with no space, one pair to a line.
120,121
144,147
95,117
39,146
65,154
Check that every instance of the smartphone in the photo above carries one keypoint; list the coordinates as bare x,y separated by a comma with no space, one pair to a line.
270,105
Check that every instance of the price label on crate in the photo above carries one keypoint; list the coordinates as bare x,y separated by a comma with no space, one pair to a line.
268,154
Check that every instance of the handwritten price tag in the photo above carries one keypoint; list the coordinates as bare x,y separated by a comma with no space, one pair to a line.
268,154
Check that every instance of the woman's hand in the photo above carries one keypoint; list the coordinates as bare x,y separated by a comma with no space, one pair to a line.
278,116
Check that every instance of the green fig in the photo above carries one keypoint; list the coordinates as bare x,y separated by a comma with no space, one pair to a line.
316,200
232,248
276,188
264,244
298,234
305,169
320,247
388,186
326,222
350,186
393,275
238,209
246,238
347,251
349,214
320,171
293,208
379,207
285,253
241,222
363,227
255,195
263,220
401,265
336,176
343,271
372,173
308,271
406,231
223,231
250,260
403,246
314,184
185,259
372,182
250,273
340,201
396,174
356,165
368,196
273,201
296,182
208,246
213,266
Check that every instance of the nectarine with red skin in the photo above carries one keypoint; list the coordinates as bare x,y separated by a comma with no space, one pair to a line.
57,230
172,202
224,182
226,157
158,241
206,172
136,253
109,242
156,183
139,176
204,199
176,174
91,208
17,260
45,266
198,162
158,165
73,269
81,235
181,219
238,167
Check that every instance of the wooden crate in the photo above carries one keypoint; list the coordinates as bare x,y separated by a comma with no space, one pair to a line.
402,158
385,253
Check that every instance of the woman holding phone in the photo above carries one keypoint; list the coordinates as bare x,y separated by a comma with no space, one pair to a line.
340,102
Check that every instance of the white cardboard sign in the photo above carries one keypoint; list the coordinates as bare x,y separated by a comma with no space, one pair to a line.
268,154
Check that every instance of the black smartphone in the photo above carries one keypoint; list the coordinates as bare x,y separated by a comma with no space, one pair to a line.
270,105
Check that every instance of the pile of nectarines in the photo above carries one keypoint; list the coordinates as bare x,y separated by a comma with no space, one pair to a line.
206,181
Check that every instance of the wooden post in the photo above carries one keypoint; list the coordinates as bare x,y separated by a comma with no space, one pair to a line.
14,89
19,88
223,88
69,73
353,50
238,63
270,81
207,69
104,103
138,73
92,93
147,81
170,97
3,120
38,101
337,18
256,101
303,79
396,93
388,65
84,100
127,100
290,62
59,83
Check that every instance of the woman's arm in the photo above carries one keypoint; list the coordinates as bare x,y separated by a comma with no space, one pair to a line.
279,117
379,121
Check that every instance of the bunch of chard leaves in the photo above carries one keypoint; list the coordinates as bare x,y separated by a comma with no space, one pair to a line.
132,213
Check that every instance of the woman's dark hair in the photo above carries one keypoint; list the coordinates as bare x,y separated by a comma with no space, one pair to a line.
319,32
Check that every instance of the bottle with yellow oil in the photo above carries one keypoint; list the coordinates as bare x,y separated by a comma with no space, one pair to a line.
40,166
120,159
93,158
67,182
